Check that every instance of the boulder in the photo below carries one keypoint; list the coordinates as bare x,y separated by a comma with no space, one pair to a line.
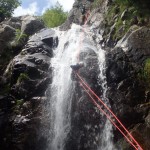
136,45
30,75
7,33
141,133
31,25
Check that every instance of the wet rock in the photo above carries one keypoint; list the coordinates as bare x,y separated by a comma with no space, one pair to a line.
29,75
125,91
147,120
85,116
7,32
75,15
118,67
14,22
141,133
136,45
31,24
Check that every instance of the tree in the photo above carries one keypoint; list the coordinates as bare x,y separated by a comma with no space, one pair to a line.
7,7
54,16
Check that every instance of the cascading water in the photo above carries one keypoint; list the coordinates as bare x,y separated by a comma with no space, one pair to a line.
62,87
107,136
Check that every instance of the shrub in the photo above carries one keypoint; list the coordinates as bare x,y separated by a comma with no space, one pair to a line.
97,3
7,7
54,16
22,77
146,71
20,37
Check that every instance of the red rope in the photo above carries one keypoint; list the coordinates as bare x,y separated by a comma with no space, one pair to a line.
132,138
98,106
109,111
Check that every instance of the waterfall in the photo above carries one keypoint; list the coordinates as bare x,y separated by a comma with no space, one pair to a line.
62,87
107,135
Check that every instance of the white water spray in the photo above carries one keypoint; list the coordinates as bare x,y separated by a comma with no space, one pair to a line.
62,87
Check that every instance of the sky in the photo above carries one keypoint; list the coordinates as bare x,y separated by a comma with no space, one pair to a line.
37,7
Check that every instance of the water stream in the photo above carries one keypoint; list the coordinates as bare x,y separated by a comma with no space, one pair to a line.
62,87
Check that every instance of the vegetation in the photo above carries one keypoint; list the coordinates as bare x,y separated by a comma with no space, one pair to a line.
146,71
144,74
17,107
19,102
7,7
122,14
54,16
22,77
97,3
141,7
20,37
137,3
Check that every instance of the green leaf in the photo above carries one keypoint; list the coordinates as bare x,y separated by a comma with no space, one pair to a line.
55,16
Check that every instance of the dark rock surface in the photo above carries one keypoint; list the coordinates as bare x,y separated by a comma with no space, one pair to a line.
31,25
75,15
29,75
125,89
14,33
86,119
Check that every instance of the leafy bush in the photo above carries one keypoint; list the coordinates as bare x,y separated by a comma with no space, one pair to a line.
144,74
146,71
19,36
97,3
22,77
140,4
7,7
54,16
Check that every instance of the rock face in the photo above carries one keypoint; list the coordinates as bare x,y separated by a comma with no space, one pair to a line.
14,34
29,76
85,119
75,15
126,91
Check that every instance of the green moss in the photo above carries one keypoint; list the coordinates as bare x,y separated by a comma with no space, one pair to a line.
22,77
20,37
16,108
19,102
146,71
144,74
134,15
97,3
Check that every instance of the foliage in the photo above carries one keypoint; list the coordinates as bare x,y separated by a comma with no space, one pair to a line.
138,4
19,37
97,3
7,7
16,109
19,102
135,12
146,70
144,74
22,77
54,16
